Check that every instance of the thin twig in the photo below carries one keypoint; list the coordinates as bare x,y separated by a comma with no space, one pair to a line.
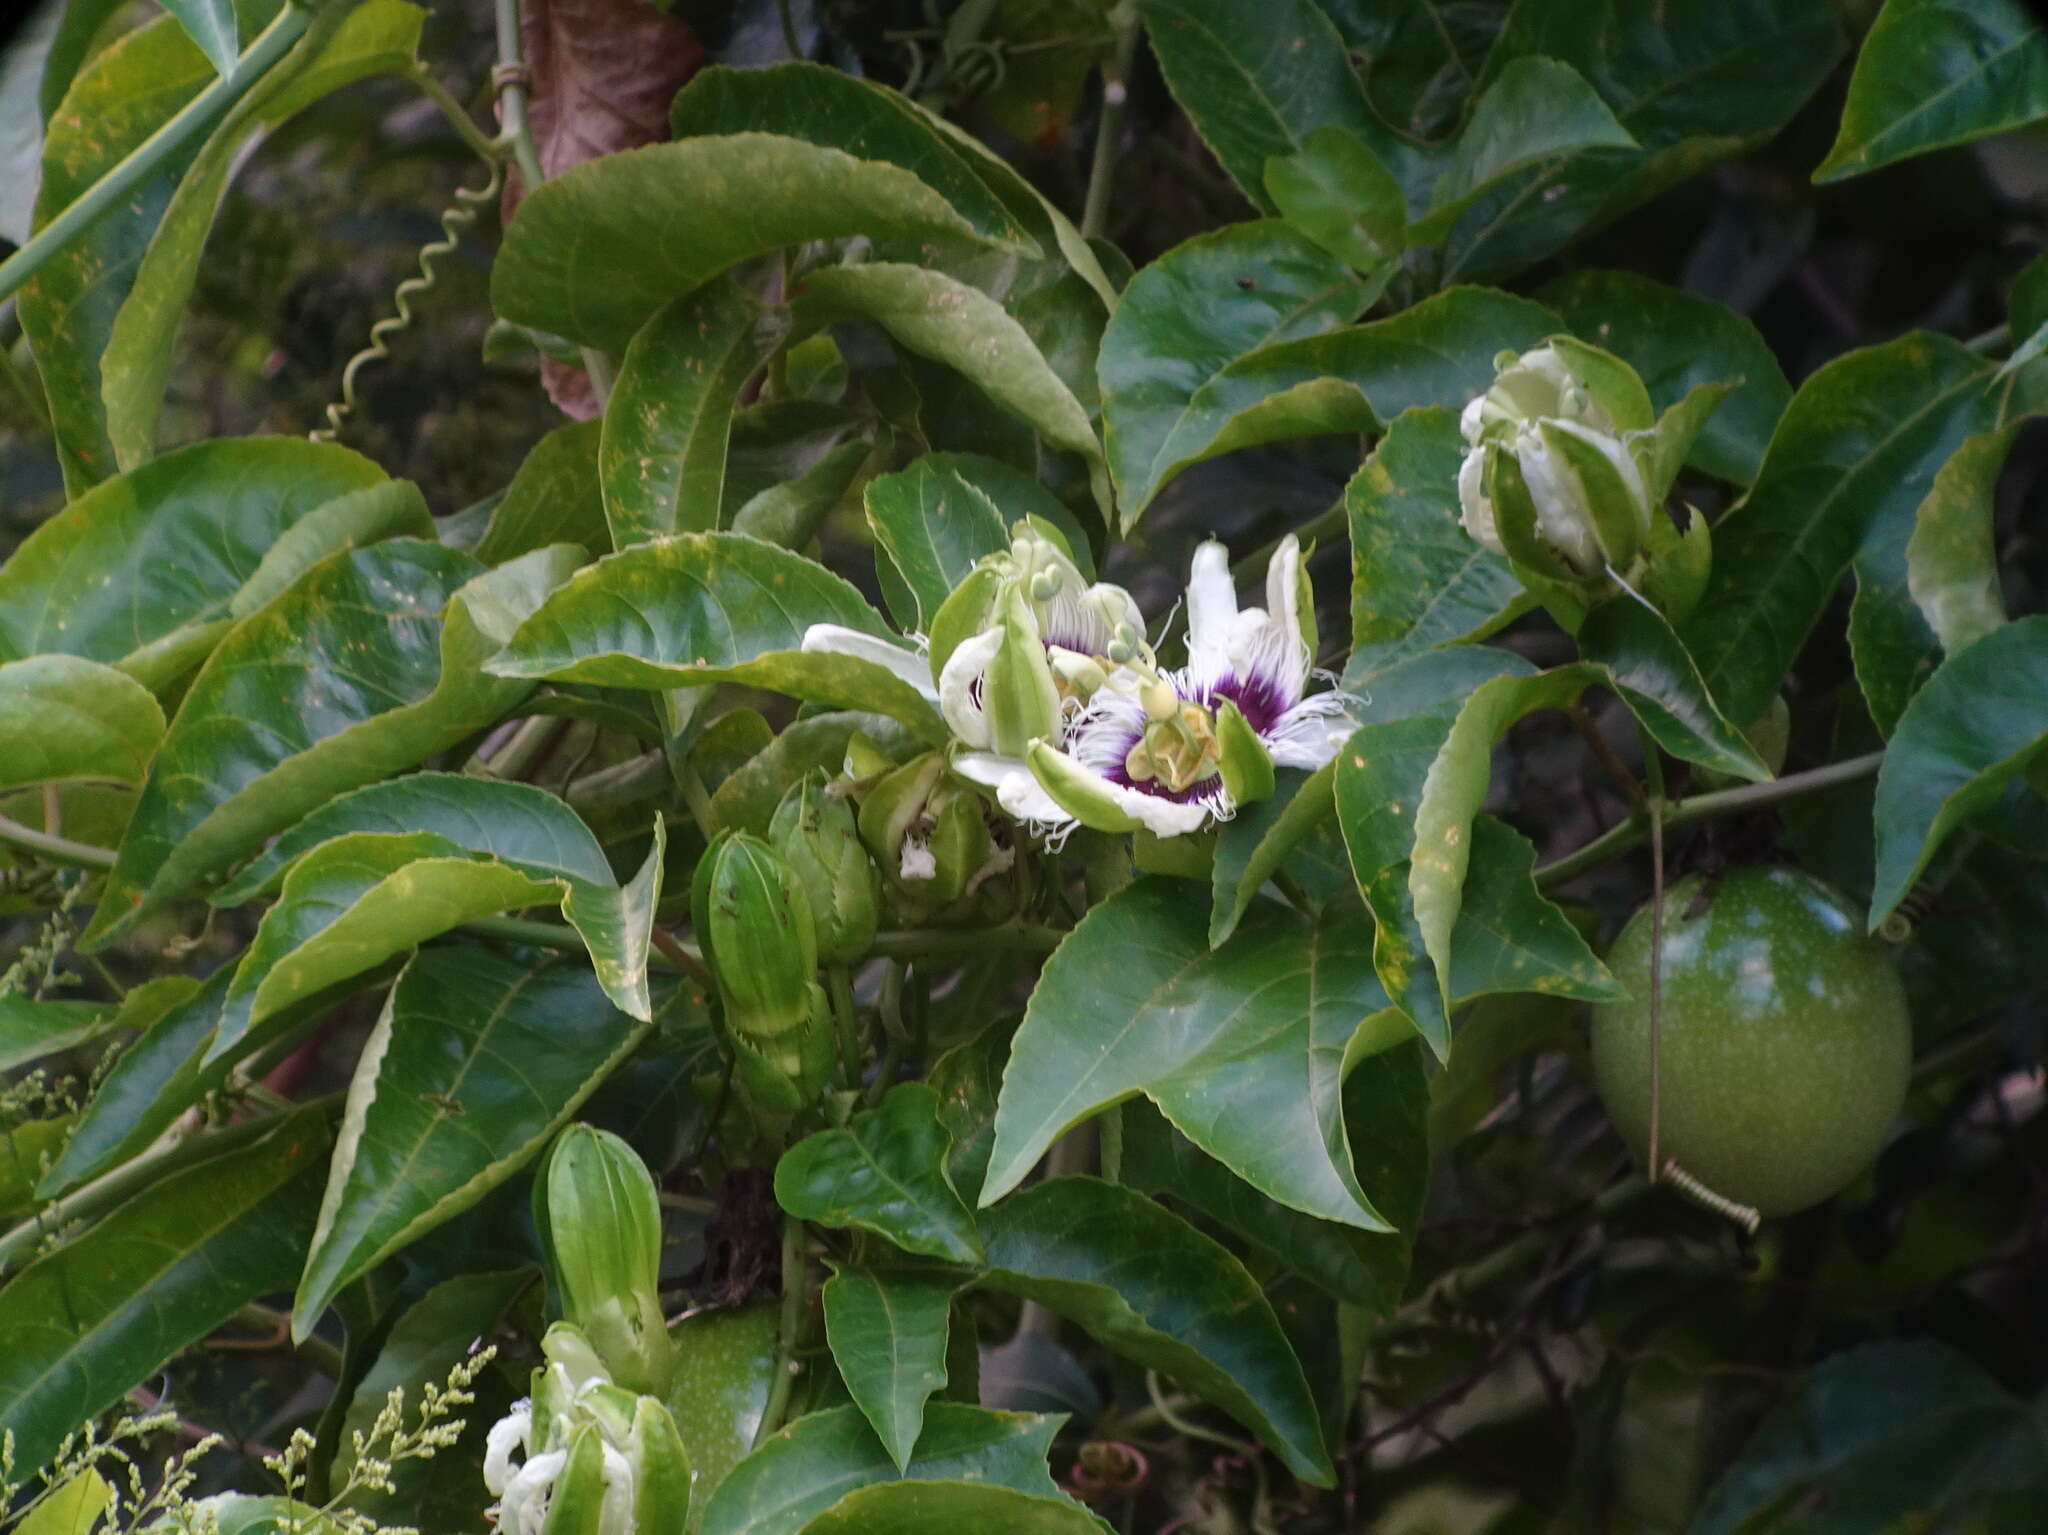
1109,130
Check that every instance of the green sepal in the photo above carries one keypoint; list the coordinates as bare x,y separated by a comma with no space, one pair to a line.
1672,438
1617,516
894,805
1244,761
1613,384
1514,520
964,614
1080,793
1678,562
1018,695
960,846
576,1506
661,1468
814,831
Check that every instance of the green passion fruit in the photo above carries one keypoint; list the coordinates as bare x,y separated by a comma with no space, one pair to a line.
1786,1041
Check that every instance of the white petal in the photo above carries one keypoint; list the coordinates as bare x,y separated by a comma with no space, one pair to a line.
1016,791
617,1515
1165,818
1309,734
1561,519
1475,508
525,1507
513,1431
1212,608
838,640
963,669
1472,422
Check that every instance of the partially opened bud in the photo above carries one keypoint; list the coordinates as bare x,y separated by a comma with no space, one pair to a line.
996,690
815,834
600,1223
754,923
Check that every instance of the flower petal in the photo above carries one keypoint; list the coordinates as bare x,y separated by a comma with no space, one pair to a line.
960,699
838,640
1475,510
1310,734
1212,611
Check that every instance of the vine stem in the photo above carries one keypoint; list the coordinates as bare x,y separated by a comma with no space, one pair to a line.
909,943
197,116
487,149
1622,836
513,83
796,1295
55,849
1115,103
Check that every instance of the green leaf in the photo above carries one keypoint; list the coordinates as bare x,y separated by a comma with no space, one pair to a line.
725,1362
1408,791
104,1311
75,1508
818,1459
119,98
162,1074
1981,720
1533,109
30,1029
476,1060
1257,84
594,252
1253,844
888,1336
662,459
1244,1049
1438,352
1677,341
64,718
141,571
790,514
389,509
711,607
1691,85
1418,579
1336,192
1934,73
1187,316
78,27
367,897
1420,58
1386,1099
364,667
211,25
944,319
515,822
1890,1434
835,110
884,1172
431,1337
1951,566
555,498
932,521
370,38
945,1508
1150,1287
1655,676
1853,457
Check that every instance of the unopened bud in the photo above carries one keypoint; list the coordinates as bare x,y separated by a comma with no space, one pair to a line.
814,832
600,1225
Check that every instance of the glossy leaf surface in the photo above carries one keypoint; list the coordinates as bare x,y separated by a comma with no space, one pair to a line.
887,1331
1980,720
593,253
710,607
1951,566
1933,73
1852,458
64,718
105,1310
476,1060
885,1173
1151,1287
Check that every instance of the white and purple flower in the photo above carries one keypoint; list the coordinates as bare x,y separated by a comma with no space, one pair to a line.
1170,751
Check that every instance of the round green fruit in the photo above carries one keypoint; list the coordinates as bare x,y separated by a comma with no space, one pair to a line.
1786,1044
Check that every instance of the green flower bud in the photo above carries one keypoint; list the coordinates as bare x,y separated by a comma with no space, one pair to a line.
815,834
754,923
997,690
600,1224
